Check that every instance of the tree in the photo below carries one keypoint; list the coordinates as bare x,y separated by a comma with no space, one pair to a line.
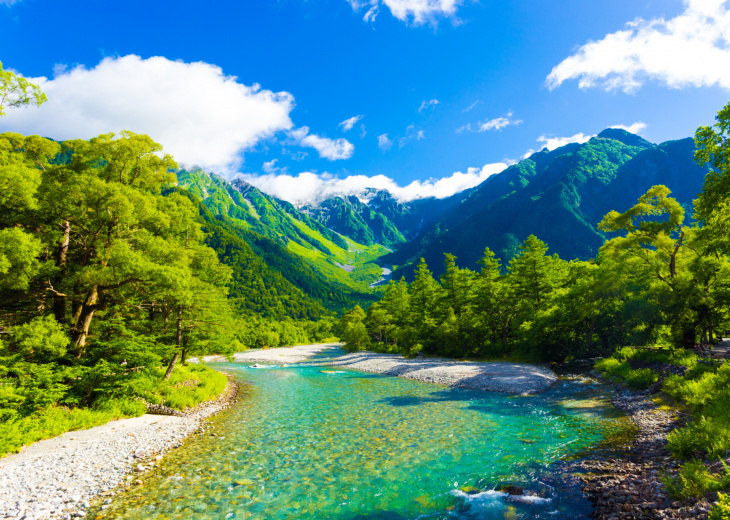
655,240
534,274
354,333
16,91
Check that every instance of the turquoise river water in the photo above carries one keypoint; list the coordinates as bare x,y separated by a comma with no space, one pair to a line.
318,443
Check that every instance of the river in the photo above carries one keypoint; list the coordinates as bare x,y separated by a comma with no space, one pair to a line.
317,443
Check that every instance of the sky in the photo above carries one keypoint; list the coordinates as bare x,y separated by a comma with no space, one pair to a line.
306,98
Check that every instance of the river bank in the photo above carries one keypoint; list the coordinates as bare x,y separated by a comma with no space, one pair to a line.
627,484
59,477
283,355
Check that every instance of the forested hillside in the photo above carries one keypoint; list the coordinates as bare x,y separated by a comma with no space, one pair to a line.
332,268
558,196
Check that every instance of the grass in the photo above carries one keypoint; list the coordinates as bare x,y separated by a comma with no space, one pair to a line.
362,257
187,387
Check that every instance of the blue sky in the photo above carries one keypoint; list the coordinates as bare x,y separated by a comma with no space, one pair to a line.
433,87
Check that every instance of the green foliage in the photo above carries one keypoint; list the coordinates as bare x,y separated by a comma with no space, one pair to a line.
639,379
721,510
353,331
706,392
16,91
695,481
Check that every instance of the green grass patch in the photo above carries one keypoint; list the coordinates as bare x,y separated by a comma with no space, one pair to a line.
187,387
621,372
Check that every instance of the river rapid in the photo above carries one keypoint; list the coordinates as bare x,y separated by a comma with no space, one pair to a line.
321,443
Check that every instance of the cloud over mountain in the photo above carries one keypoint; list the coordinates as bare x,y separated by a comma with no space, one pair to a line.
311,187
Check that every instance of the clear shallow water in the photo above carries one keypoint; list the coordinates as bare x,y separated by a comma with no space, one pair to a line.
316,443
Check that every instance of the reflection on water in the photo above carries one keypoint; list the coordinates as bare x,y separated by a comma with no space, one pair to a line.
316,443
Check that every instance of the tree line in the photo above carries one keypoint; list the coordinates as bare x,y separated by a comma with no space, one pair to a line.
661,279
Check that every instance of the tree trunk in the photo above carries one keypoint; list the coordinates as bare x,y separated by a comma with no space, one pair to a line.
178,344
59,300
84,321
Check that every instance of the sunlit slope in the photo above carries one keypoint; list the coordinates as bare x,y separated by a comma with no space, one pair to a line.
334,258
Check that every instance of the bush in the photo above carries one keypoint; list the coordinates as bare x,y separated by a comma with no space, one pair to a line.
695,481
721,511
621,372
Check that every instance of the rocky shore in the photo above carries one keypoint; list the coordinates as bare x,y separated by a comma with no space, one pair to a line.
511,378
282,355
625,484
60,477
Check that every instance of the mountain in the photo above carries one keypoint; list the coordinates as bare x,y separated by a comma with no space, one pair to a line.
560,196
287,240
351,217
377,217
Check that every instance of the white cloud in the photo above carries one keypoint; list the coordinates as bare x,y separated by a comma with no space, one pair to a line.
553,143
635,128
690,50
412,134
308,187
200,115
384,143
271,167
9,2
490,124
330,149
427,104
416,11
467,109
347,124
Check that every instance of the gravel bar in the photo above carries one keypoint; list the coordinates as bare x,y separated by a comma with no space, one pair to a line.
510,378
58,477
285,355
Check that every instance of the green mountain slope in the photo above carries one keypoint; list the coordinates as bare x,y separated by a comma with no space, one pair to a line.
357,220
559,196
285,238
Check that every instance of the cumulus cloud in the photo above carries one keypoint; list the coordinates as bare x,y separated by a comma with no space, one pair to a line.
384,143
200,115
417,12
690,50
427,104
347,124
552,143
308,187
635,128
490,124
330,149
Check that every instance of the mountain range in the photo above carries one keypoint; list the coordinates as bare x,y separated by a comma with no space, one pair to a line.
559,196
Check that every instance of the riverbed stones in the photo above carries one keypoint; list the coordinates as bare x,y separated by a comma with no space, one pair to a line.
59,477
283,355
510,378
626,483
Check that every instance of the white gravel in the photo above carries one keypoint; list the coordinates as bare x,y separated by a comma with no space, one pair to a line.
58,477
511,378
283,355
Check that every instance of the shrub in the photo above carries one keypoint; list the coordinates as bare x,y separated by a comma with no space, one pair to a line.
695,481
721,510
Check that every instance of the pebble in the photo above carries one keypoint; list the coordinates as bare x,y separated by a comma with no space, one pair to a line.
47,482
626,484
